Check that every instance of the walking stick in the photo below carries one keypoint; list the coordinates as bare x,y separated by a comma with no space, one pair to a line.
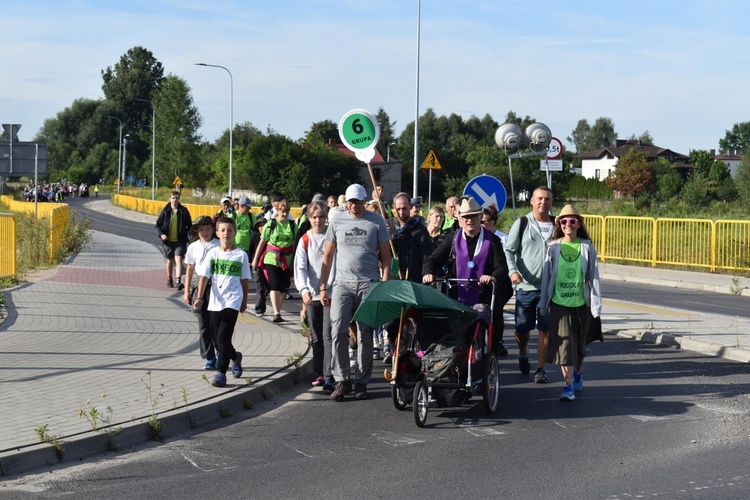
382,212
388,377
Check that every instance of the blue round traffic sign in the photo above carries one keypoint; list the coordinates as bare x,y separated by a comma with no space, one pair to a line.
487,191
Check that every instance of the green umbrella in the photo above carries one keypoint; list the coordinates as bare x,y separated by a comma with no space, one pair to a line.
386,301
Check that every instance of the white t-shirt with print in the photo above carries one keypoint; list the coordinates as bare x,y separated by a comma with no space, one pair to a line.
226,270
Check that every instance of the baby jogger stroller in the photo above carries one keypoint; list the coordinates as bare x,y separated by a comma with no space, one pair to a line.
442,351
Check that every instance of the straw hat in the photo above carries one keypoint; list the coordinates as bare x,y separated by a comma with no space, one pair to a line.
568,210
469,206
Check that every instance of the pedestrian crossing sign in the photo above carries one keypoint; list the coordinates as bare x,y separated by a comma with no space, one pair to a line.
431,162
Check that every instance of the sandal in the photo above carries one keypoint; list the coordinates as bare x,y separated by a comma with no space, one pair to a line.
318,381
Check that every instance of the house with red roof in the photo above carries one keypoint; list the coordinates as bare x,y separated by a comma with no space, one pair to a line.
601,163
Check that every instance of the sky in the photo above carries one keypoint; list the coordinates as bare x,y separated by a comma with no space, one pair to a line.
674,68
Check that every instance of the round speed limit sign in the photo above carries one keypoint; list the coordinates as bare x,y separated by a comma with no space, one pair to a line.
359,130
555,150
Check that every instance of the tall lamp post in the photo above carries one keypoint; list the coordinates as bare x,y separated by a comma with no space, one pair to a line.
124,156
153,148
119,153
416,109
231,116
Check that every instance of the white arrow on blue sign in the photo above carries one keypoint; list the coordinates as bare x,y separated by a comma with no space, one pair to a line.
487,191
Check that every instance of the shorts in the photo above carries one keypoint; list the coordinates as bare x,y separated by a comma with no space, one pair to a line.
173,249
278,279
527,312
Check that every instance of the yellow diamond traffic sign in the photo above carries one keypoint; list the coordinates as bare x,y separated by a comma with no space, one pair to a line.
177,181
431,162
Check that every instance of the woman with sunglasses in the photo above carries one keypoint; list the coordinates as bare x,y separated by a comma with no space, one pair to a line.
571,298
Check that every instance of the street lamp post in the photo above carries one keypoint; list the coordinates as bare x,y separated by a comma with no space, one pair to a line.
416,108
153,148
119,153
124,156
231,116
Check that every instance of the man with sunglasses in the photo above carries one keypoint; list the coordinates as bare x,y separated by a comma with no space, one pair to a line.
473,252
525,251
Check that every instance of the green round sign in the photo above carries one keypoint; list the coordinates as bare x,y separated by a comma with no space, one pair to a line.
359,130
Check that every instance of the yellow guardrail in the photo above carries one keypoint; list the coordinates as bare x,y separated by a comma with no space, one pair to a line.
701,243
154,207
58,214
7,246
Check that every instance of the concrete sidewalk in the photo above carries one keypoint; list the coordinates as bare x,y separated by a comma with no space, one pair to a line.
103,331
104,324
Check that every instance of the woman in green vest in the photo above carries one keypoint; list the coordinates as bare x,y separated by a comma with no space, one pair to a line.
571,297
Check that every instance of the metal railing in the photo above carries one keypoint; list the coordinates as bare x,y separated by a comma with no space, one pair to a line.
58,214
8,267
701,243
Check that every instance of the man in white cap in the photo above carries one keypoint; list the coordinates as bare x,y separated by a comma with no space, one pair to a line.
226,210
360,240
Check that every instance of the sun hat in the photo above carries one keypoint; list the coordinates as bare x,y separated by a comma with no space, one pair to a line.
244,200
469,206
225,200
203,219
568,210
355,192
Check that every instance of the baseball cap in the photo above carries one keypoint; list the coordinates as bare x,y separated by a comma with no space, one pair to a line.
355,192
416,202
225,200
244,200
319,197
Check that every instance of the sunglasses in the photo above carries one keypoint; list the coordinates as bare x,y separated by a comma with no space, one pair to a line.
469,217
572,222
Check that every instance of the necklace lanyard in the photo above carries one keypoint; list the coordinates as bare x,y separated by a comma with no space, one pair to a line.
315,241
206,248
470,264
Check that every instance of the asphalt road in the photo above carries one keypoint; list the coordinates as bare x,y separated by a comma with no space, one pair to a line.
651,422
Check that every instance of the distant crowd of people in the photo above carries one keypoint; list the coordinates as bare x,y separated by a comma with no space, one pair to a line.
57,192
340,245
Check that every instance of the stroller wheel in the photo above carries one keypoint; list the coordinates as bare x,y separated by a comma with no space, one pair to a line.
398,398
491,383
421,403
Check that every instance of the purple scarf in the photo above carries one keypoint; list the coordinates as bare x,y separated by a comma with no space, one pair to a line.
470,295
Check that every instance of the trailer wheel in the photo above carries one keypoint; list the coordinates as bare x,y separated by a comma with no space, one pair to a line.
421,403
491,383
398,398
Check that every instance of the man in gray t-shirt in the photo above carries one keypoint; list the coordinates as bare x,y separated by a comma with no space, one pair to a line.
360,240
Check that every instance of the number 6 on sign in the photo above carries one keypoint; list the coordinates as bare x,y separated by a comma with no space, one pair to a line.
360,131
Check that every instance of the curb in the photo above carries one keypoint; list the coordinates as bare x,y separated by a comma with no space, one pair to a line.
134,433
744,292
688,344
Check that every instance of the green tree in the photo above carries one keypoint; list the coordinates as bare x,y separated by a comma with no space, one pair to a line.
742,180
137,75
701,160
587,138
387,131
633,175
737,138
75,133
669,182
645,138
695,191
177,124
322,132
